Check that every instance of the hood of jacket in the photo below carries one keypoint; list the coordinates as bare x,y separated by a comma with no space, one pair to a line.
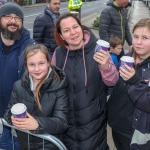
49,13
51,83
89,40
26,35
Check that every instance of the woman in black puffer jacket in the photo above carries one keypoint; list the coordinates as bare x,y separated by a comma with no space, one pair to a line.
88,78
43,90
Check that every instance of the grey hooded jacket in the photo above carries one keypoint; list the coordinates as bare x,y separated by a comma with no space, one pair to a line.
114,22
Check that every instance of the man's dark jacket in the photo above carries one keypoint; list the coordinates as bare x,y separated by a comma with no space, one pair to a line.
12,67
43,30
114,22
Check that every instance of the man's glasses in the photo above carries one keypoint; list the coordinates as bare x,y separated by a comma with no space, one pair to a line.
9,18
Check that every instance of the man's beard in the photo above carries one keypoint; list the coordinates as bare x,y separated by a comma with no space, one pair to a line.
9,34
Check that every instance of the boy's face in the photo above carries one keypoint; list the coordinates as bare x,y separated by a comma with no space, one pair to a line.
117,50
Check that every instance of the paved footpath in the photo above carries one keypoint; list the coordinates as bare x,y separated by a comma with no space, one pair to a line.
140,11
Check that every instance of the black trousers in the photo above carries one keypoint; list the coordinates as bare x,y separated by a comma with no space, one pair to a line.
121,139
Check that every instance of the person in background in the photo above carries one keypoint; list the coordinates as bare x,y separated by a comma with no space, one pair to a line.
116,46
14,38
128,106
43,90
114,22
43,28
88,73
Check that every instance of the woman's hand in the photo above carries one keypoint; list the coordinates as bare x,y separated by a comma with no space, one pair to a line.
102,58
127,73
29,123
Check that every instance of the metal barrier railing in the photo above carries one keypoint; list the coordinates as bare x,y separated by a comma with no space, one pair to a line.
47,137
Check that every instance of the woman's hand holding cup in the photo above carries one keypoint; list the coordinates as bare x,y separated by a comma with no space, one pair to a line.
101,55
102,58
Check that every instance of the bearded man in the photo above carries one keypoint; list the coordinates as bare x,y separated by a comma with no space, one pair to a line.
14,38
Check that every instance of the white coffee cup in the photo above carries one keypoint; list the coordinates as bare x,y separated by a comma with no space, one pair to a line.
101,45
126,60
19,110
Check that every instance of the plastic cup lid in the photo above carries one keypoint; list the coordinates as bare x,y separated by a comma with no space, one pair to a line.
103,43
18,108
127,59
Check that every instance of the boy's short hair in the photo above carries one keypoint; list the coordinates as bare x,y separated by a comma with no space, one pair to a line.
114,41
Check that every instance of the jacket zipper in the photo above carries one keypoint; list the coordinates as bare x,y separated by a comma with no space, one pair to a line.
3,80
74,77
121,26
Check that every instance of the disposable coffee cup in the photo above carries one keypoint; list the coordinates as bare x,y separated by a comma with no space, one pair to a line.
126,60
19,110
101,45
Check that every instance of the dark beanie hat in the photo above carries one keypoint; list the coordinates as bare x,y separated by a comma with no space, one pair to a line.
11,8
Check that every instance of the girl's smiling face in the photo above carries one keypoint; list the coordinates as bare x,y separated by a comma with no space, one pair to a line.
141,42
37,66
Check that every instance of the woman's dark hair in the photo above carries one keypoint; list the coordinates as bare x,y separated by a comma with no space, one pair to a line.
30,51
57,30
114,41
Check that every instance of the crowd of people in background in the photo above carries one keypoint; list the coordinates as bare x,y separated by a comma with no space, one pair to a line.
64,83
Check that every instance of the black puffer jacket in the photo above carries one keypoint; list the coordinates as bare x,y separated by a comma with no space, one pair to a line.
53,118
87,102
114,22
139,92
120,103
43,30
120,107
128,107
